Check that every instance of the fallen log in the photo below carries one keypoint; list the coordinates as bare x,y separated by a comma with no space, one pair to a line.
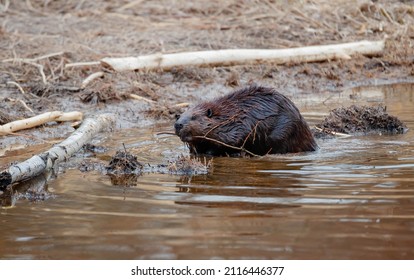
240,56
60,152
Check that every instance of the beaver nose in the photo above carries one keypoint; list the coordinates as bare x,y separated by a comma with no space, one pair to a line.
178,126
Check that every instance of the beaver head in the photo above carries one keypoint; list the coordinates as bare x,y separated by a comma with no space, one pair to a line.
254,120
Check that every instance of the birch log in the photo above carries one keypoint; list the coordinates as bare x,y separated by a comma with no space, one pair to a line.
39,120
240,56
60,152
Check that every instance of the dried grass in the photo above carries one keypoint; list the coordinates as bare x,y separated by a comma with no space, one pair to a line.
39,38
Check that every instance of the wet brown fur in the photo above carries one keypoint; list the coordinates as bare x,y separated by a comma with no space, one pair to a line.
254,120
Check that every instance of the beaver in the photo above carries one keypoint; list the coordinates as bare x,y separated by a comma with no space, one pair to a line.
255,120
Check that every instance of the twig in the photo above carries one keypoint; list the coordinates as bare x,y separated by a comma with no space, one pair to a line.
386,14
227,145
137,97
21,89
254,135
42,73
33,59
165,132
25,105
60,67
181,105
48,56
39,66
18,86
220,124
52,72
90,78
334,133
82,64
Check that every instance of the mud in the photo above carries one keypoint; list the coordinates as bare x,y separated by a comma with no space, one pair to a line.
49,35
362,120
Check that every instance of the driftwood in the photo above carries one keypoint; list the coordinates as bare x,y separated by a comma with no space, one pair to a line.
239,56
60,152
38,120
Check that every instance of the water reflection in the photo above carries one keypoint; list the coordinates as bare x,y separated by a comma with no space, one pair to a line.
353,199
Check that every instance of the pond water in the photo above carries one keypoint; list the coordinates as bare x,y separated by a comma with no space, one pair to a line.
352,199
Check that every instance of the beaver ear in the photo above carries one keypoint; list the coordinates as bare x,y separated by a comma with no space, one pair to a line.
209,113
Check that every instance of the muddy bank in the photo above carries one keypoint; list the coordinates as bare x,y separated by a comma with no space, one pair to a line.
56,34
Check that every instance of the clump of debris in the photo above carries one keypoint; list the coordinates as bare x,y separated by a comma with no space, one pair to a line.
124,168
361,120
189,166
124,163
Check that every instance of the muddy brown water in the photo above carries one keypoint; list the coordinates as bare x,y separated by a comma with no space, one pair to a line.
352,199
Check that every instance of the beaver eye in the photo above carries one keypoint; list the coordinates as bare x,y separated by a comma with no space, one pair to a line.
177,116
209,113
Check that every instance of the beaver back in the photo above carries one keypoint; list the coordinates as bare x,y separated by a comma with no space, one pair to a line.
255,120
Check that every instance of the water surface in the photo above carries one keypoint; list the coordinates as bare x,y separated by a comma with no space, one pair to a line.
352,199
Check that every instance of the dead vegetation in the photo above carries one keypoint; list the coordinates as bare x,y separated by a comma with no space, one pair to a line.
188,166
124,162
48,49
41,39
357,120
124,168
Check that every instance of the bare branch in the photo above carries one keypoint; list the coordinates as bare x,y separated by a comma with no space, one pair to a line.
240,56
